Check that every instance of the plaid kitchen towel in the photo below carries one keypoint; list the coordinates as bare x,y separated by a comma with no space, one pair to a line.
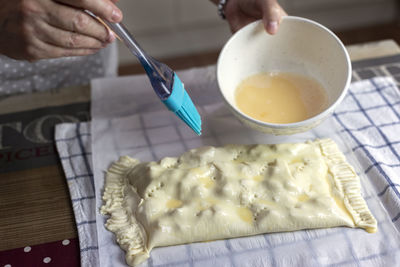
370,118
369,122
74,148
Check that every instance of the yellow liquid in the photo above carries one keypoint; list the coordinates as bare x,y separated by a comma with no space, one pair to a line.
245,214
278,97
174,204
258,178
206,181
303,198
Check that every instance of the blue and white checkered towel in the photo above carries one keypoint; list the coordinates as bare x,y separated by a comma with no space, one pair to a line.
73,141
368,126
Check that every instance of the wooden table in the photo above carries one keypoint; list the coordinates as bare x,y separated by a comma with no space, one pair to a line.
35,207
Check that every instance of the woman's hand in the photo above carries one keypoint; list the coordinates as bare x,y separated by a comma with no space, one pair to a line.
39,29
239,13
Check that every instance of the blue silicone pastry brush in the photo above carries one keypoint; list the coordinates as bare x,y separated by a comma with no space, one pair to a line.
164,80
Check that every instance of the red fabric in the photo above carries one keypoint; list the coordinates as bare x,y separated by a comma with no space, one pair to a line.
63,253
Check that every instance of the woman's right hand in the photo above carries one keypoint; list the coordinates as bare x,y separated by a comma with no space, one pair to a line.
40,29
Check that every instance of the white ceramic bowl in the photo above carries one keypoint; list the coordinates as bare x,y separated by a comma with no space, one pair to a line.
301,46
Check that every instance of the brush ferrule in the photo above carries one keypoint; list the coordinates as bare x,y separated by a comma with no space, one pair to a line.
175,100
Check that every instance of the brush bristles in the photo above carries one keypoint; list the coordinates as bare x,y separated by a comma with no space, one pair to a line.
188,113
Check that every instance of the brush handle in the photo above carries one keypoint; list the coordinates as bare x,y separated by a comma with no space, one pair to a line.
122,32
160,75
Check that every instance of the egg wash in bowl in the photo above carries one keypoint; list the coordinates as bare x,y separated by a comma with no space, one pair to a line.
280,97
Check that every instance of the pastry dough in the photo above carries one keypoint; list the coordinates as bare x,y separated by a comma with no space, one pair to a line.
213,193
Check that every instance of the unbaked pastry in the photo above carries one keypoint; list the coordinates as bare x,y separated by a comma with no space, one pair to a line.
214,193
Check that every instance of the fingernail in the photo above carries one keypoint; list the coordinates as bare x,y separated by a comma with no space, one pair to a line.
272,27
111,36
116,15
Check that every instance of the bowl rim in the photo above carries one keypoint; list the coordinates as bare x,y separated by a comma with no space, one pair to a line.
302,123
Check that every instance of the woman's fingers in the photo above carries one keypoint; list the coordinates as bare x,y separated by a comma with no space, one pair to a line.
43,50
105,9
67,39
272,15
239,13
239,22
39,29
77,21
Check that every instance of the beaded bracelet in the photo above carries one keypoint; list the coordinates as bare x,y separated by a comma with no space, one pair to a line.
221,6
